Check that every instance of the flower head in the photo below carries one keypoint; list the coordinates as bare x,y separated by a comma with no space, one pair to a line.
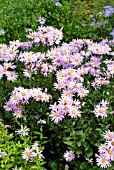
23,131
69,156
28,154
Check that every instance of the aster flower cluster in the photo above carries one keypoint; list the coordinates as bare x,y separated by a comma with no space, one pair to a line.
70,79
46,35
20,96
7,55
70,63
108,10
29,153
106,151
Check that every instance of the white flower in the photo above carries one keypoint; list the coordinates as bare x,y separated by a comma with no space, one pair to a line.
2,154
41,122
42,20
2,32
38,153
35,146
23,131
28,154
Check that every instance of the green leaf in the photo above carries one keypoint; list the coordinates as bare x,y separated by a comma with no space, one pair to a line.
80,132
83,165
89,152
68,143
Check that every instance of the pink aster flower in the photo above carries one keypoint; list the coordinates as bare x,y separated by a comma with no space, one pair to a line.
69,156
109,154
14,43
82,92
14,99
11,76
56,115
59,85
77,59
103,162
28,72
100,111
23,93
74,112
8,106
18,113
102,148
108,135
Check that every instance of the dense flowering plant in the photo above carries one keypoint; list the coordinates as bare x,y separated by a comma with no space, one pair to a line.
64,105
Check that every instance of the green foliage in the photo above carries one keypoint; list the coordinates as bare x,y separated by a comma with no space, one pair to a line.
17,15
13,150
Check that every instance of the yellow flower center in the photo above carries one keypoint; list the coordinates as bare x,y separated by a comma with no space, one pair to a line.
9,64
73,112
43,36
112,143
27,153
110,152
65,100
95,63
82,91
59,84
17,113
67,94
75,86
9,105
76,59
15,98
5,70
32,35
57,114
11,51
39,96
110,135
67,57
101,80
29,58
69,155
51,54
103,160
64,51
23,94
101,111
48,28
